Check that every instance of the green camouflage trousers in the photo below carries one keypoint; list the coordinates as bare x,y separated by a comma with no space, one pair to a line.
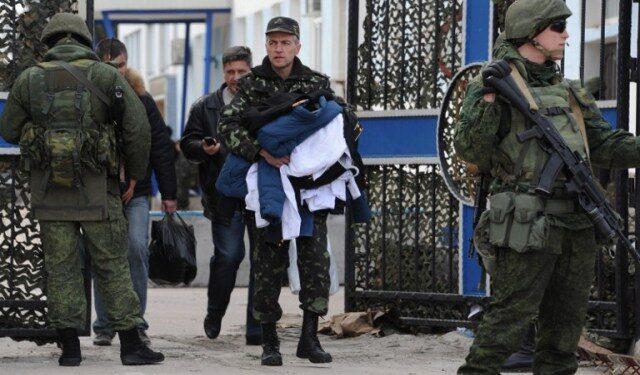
554,286
106,242
270,262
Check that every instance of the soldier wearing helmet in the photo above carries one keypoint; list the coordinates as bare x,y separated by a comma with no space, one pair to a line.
540,251
59,112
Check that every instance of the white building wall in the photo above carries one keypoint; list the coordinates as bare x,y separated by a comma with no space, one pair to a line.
152,56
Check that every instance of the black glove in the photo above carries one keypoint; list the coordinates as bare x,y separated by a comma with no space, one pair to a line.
487,90
498,69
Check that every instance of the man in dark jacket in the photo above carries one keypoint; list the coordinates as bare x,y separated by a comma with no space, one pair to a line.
200,143
136,194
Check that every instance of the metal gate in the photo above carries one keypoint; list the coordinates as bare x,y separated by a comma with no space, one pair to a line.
402,56
23,288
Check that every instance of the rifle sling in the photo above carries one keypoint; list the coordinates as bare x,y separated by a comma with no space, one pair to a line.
80,77
575,108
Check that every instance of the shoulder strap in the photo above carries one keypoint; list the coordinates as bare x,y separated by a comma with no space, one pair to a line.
577,112
522,85
80,77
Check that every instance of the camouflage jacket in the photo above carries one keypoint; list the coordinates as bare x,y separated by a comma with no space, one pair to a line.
482,125
135,127
261,83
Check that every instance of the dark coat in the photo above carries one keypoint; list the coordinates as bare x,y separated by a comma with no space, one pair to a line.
203,122
161,158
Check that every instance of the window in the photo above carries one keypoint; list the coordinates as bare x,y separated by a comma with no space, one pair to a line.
314,7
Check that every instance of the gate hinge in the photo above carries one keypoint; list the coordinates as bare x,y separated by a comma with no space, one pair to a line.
633,69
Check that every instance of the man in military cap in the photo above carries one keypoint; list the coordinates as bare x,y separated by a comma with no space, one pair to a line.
200,143
544,250
60,112
281,71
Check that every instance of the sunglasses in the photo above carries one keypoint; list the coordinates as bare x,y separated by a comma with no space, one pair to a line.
559,26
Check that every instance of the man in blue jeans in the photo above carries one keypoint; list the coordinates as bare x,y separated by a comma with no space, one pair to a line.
136,194
201,144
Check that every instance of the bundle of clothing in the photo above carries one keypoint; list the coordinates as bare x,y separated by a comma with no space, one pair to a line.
324,171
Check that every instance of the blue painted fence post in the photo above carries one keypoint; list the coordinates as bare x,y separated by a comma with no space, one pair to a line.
477,34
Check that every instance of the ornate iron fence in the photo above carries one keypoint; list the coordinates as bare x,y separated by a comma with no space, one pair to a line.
410,52
408,256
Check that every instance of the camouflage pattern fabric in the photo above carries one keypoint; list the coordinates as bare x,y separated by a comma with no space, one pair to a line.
553,282
270,262
482,126
524,283
261,83
106,242
136,133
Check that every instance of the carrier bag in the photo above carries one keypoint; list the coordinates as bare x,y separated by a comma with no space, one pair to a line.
172,252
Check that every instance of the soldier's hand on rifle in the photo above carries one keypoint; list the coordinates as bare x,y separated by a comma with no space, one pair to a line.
498,69
169,205
276,162
210,149
128,194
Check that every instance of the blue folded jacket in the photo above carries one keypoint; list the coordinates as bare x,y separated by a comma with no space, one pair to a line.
279,137
232,178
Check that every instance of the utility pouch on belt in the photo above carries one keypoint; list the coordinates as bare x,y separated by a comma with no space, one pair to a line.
501,208
31,152
481,242
517,221
527,209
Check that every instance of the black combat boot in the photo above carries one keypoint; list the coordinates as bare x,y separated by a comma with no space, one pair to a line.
134,352
70,347
309,345
270,346
522,360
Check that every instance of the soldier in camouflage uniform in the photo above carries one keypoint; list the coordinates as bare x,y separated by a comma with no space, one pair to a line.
59,113
281,71
544,250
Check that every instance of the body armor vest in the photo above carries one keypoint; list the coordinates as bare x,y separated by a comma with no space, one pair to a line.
520,164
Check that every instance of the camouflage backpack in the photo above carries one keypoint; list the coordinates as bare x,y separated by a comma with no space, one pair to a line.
64,139
67,151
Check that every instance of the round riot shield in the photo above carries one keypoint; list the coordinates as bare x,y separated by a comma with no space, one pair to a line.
458,175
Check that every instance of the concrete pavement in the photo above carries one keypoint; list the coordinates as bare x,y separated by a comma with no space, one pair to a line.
175,316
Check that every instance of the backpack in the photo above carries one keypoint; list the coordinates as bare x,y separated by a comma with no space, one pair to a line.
68,152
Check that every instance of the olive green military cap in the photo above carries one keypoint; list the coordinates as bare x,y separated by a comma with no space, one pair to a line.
67,23
283,25
527,18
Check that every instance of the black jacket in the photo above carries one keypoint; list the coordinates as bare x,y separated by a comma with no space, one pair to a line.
161,159
203,122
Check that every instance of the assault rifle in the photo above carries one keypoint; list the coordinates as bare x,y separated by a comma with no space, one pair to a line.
580,180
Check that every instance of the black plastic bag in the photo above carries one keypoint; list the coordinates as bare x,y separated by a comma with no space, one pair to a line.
172,257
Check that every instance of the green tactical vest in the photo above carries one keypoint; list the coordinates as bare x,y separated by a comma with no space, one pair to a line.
520,164
68,153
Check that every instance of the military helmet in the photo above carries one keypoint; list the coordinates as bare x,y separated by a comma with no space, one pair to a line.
67,23
527,18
